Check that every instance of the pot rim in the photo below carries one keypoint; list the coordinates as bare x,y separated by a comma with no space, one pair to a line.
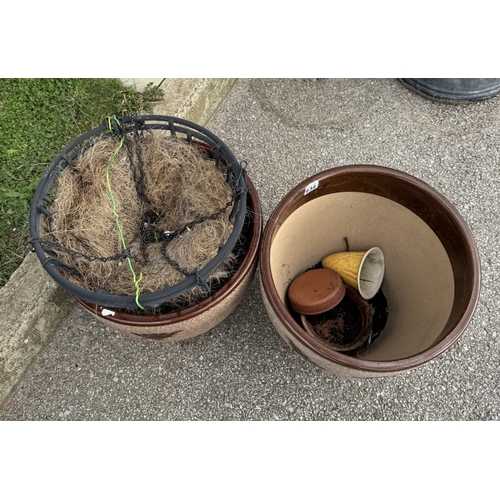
300,336
234,281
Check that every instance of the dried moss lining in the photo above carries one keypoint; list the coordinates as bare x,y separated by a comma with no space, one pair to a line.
178,191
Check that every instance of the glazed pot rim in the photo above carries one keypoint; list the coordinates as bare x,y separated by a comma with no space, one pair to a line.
297,332
117,316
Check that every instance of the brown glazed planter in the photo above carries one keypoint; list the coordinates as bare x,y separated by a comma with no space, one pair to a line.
432,276
198,319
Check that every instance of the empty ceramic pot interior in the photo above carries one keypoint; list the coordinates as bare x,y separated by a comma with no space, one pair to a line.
432,273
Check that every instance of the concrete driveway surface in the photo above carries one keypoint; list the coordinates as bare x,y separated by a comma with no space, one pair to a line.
287,130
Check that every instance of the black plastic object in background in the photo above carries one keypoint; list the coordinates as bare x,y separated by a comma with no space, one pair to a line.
454,89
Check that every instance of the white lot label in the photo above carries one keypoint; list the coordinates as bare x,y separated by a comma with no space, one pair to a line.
107,312
311,187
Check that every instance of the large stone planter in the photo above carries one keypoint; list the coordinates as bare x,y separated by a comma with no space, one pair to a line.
193,321
432,278
158,319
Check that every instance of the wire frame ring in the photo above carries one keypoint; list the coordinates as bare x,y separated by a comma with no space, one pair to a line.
40,205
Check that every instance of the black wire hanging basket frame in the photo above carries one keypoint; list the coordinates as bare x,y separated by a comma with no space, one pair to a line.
179,129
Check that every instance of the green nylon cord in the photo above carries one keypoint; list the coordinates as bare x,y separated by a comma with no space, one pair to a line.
117,218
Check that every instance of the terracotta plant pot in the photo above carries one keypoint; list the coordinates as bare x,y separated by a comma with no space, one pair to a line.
195,320
322,326
316,291
432,275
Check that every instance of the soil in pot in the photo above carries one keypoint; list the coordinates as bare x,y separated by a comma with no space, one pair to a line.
344,327
341,326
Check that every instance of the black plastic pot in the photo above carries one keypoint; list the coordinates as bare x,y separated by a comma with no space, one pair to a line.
454,89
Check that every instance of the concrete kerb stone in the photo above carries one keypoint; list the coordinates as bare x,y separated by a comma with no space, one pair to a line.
33,305
194,99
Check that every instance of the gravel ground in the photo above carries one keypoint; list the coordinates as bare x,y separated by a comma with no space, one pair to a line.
288,130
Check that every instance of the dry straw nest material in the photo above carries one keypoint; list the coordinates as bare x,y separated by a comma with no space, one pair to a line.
173,206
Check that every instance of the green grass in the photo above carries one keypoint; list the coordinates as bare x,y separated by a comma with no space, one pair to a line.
38,117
